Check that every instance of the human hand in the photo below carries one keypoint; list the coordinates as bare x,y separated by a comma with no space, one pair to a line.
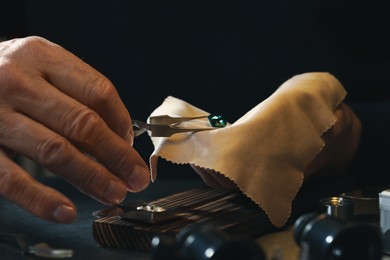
60,112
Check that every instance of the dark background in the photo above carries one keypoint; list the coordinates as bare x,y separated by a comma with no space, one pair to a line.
221,56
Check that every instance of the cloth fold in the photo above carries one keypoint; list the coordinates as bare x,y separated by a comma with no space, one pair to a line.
266,150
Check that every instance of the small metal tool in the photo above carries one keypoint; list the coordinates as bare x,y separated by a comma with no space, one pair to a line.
338,207
165,126
44,250
152,214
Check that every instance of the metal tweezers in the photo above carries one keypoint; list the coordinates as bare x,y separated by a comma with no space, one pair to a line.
165,126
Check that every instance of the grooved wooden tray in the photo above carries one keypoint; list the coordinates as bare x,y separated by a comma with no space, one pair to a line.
231,211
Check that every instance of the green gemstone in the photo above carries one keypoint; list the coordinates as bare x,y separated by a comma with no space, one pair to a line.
217,120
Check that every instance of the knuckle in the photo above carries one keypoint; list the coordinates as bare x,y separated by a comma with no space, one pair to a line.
15,76
89,181
11,183
53,153
34,43
100,91
11,80
14,186
33,47
82,127
7,181
24,47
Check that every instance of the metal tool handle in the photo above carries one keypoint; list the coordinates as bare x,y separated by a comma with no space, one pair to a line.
163,130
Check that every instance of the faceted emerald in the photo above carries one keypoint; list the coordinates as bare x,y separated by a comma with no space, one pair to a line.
217,120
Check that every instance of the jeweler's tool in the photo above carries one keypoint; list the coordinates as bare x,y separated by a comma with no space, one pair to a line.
165,126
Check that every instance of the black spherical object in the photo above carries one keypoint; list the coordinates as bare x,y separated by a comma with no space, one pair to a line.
327,238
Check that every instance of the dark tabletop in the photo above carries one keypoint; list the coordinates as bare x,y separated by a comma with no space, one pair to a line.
78,236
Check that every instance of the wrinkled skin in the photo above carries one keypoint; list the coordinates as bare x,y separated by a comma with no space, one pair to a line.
58,111
341,144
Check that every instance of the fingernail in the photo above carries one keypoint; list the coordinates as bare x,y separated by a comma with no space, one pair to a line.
65,214
138,179
130,138
115,192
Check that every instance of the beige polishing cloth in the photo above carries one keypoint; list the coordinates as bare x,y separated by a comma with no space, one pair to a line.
266,150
